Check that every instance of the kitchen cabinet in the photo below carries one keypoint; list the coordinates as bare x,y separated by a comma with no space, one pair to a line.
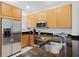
64,16
16,13
60,17
51,18
31,40
24,40
9,11
32,20
42,16
27,40
6,10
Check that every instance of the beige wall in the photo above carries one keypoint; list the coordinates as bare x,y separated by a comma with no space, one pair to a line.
75,18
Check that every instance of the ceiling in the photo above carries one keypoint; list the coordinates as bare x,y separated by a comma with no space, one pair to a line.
35,5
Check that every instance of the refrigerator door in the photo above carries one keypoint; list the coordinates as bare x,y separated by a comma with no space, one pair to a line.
16,29
6,40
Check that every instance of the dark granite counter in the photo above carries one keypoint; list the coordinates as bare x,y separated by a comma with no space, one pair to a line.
39,52
36,33
75,38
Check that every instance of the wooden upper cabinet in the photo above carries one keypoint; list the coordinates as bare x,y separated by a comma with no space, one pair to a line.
6,10
51,18
64,16
60,17
16,13
42,16
32,20
10,11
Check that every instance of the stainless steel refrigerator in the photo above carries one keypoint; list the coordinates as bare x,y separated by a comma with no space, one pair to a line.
11,37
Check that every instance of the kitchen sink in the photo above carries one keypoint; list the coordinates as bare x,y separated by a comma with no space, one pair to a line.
52,47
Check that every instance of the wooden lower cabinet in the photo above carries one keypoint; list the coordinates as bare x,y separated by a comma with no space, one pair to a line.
24,41
31,40
27,40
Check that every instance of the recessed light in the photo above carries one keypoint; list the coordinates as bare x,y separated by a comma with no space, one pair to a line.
27,7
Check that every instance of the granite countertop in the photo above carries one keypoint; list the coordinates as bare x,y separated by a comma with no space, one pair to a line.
36,33
38,52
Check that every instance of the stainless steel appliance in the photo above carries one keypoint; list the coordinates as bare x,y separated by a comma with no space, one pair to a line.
11,36
41,24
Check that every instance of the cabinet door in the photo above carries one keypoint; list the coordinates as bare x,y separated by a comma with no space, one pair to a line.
31,40
24,41
51,18
6,10
32,20
16,13
27,40
42,16
64,16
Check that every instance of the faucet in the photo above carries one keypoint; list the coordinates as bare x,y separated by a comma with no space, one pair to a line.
39,33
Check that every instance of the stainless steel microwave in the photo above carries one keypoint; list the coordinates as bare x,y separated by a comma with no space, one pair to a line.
41,24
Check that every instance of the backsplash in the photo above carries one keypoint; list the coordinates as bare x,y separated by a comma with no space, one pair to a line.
68,31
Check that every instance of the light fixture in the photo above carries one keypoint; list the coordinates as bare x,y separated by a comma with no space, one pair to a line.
27,7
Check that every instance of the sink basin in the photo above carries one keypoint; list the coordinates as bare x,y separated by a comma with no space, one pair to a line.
54,47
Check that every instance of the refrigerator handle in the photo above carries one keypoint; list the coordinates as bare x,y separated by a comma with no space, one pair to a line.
11,40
